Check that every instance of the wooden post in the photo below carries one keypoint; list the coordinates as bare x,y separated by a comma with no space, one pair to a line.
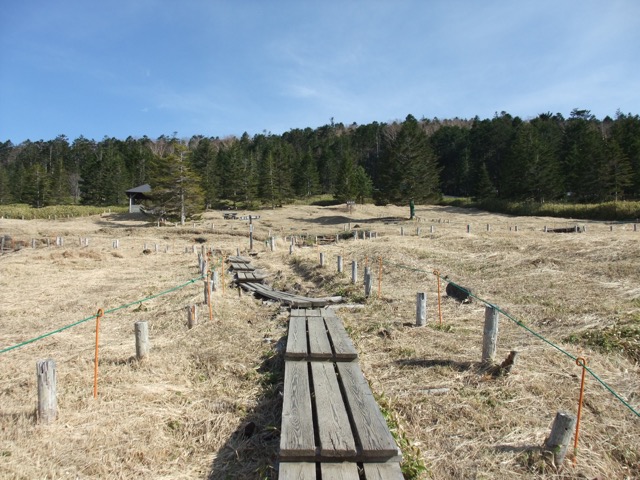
33,243
490,338
516,228
206,290
488,227
368,282
433,228
291,249
192,318
421,309
418,231
214,281
339,264
402,231
142,339
322,259
354,272
355,234
156,247
2,245
468,228
250,235
47,397
272,242
560,436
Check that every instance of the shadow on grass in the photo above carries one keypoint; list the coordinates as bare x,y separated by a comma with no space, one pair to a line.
431,363
251,452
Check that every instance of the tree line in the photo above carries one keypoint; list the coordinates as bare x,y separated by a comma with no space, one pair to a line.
547,158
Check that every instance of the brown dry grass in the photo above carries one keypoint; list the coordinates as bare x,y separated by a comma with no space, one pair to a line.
182,412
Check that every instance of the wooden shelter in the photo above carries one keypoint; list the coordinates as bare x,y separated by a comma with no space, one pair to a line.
136,195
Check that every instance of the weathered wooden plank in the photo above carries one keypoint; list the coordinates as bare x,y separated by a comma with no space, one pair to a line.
238,259
313,312
383,471
297,471
336,438
241,267
297,338
247,276
319,346
340,471
296,438
371,429
342,344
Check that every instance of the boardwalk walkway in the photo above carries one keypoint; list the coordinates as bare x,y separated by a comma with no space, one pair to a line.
332,426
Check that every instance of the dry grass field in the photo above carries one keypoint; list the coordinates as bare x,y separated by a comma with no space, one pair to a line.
206,401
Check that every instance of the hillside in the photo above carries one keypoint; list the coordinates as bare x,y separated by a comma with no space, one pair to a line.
187,411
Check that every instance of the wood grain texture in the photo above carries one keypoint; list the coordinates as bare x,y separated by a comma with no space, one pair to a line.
297,338
340,471
371,429
383,471
336,438
297,471
319,346
296,438
342,344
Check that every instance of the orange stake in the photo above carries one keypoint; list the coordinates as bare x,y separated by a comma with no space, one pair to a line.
437,274
581,362
99,315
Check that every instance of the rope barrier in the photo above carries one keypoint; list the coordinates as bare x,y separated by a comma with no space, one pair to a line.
66,327
536,334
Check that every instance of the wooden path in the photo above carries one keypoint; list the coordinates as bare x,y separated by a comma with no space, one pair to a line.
250,280
332,426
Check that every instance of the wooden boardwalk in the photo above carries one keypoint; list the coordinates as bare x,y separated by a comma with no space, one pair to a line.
332,426
250,280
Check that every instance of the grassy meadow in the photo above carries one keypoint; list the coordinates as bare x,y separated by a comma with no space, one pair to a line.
206,402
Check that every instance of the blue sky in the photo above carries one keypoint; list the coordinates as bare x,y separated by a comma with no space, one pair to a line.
122,68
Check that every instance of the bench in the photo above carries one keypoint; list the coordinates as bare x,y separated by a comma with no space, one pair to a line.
230,215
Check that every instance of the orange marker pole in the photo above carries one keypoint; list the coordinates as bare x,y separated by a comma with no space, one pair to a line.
581,362
437,274
99,315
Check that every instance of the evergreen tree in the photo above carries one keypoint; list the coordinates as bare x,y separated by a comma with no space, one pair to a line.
484,188
408,167
176,188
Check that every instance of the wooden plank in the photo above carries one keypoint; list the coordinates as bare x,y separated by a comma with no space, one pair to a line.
371,429
383,471
319,346
342,344
296,438
297,338
340,471
313,312
238,259
242,267
297,471
334,431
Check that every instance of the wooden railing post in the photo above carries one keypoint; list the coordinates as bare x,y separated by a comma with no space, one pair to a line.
142,339
421,309
47,396
560,436
490,338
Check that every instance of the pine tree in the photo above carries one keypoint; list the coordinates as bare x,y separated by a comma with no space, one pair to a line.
175,188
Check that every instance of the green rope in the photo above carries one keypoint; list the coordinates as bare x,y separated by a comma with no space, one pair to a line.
66,327
534,333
